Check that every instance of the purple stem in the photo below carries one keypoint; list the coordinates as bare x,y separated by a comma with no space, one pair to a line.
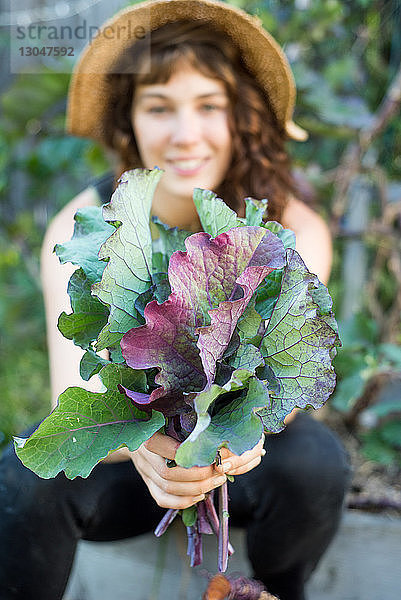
213,518
203,521
194,548
166,521
198,554
223,530
190,540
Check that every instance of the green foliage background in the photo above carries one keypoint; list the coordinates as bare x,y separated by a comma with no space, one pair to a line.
344,56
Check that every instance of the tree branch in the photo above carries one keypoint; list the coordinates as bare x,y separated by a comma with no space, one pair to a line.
351,161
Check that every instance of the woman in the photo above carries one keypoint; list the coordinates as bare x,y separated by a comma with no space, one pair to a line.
210,102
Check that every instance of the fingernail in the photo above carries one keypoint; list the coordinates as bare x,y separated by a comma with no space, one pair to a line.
263,452
219,480
227,466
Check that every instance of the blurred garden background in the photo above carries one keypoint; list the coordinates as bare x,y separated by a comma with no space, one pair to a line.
346,58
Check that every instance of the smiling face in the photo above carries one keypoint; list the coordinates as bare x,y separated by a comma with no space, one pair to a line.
181,126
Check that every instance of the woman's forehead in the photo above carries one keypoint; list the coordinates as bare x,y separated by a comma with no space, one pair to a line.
188,80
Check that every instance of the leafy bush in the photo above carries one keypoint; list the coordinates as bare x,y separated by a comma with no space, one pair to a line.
369,390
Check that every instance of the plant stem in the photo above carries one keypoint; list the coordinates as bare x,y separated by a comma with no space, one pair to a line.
194,548
190,541
223,529
166,521
198,551
203,518
213,518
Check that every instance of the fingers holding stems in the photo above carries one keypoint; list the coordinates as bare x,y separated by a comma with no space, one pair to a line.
233,464
178,487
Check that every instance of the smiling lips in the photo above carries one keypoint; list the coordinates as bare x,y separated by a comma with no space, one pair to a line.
187,166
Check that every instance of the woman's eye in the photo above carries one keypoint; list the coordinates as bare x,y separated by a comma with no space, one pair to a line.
157,109
210,107
213,107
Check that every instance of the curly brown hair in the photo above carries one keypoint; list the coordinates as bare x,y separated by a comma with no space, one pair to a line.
260,165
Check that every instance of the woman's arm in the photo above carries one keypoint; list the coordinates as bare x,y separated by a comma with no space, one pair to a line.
64,356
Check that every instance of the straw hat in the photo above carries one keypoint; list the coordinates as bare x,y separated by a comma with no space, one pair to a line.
261,54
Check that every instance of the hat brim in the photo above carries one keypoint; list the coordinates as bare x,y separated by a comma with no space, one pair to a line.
89,87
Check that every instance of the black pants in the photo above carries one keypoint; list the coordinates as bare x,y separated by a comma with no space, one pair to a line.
290,505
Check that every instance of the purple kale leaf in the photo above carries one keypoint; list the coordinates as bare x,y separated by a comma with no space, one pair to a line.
212,284
268,255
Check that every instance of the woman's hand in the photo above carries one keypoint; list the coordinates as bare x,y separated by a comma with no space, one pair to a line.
177,487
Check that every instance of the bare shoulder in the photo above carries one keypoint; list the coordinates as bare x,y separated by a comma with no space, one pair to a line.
61,226
59,230
313,237
300,217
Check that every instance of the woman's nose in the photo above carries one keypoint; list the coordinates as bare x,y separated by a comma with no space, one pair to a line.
186,129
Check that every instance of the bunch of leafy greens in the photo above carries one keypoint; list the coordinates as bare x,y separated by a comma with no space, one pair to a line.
213,336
